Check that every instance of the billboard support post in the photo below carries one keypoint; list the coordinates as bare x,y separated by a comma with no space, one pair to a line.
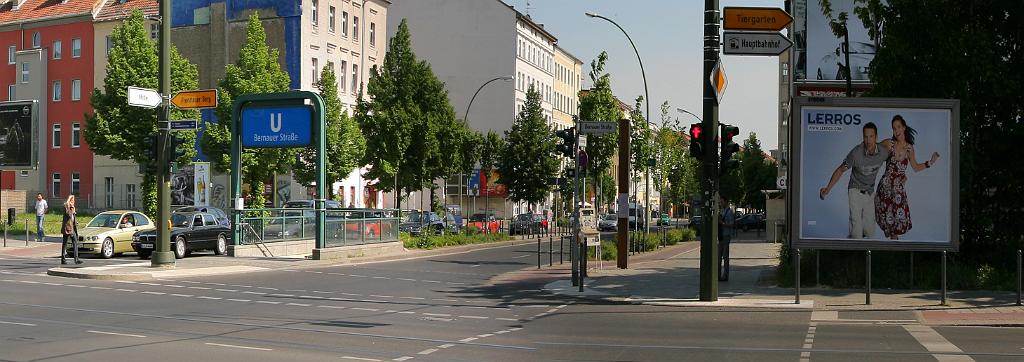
796,275
943,277
867,296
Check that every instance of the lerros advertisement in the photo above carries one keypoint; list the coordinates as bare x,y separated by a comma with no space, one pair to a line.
876,174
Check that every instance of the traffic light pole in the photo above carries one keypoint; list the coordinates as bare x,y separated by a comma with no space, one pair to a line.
709,171
162,256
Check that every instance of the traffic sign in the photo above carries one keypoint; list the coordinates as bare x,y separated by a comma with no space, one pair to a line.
754,18
143,97
195,99
597,127
755,43
781,182
181,125
718,80
277,126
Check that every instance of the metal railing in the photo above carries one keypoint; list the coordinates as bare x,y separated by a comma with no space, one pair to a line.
343,227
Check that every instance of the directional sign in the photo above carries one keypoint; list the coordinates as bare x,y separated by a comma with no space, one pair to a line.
143,97
195,99
277,126
597,127
181,125
751,18
755,43
719,80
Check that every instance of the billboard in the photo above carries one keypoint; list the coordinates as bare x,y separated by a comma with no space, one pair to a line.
819,50
18,145
875,174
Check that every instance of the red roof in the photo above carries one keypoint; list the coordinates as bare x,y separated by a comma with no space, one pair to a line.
35,10
120,9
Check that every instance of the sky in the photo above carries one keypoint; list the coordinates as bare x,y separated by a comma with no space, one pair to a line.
669,37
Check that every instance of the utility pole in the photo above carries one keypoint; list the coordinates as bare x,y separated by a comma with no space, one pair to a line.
709,171
162,256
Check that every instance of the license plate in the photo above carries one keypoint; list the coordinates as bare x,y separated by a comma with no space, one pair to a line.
147,246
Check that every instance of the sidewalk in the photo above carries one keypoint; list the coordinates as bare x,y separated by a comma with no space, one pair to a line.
670,277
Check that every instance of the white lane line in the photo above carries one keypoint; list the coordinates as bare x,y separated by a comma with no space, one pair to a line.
472,317
267,302
360,358
210,298
521,256
199,288
435,314
255,293
239,300
470,339
404,358
182,295
234,346
299,304
475,266
381,296
446,345
18,324
500,332
428,351
154,293
101,288
54,284
366,309
331,306
76,286
406,279
231,290
430,281
935,342
485,335
445,300
507,319
126,290
413,298
152,284
406,312
118,334
174,286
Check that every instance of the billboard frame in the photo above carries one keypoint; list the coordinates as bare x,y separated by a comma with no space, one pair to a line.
33,134
796,169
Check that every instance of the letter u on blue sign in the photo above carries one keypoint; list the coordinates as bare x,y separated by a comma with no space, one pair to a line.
277,127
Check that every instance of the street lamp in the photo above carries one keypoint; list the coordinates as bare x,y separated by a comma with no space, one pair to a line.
680,110
465,122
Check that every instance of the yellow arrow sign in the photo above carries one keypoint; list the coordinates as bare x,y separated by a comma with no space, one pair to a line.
195,99
750,18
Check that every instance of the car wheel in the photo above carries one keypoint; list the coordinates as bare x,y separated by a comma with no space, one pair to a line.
222,245
107,249
180,249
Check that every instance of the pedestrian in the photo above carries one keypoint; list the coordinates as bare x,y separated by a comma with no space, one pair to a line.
726,227
69,229
41,209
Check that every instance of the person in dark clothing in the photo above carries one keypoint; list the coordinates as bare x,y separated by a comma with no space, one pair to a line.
69,228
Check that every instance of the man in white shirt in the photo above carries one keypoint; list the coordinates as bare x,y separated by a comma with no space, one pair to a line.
41,208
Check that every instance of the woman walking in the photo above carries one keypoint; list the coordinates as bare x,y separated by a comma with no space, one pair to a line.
892,208
69,228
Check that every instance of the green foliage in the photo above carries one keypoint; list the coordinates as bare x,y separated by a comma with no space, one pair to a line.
652,242
257,70
756,173
641,137
441,241
529,159
600,105
119,130
345,145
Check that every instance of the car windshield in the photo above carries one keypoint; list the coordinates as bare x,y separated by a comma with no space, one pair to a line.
525,217
609,217
104,221
181,219
414,217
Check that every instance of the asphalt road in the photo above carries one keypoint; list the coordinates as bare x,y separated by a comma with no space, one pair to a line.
443,308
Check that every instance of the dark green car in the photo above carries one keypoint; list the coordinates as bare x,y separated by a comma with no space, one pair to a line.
664,220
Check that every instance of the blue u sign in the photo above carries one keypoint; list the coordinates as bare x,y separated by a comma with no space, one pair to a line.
277,126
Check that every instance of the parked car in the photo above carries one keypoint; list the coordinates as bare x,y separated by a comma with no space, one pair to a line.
190,231
456,212
663,219
108,233
527,224
696,222
222,217
486,223
309,204
418,222
751,222
609,222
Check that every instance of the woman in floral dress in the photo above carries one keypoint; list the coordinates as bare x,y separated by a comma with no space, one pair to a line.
892,209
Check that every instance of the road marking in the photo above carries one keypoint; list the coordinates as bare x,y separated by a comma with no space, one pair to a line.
126,290
428,351
205,297
805,356
299,304
366,309
101,288
434,314
406,312
485,335
18,324
153,284
381,296
200,288
402,358
239,300
406,279
935,342
470,339
118,334
472,317
521,256
331,306
267,302
182,295
475,266
446,345
154,293
234,346
255,293
360,358
430,281
501,332
76,286
54,284
507,319
227,290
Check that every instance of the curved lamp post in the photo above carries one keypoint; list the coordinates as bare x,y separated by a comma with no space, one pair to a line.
465,116
680,110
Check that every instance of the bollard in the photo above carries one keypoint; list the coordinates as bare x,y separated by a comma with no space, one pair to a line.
1018,276
797,275
867,296
538,252
943,277
26,233
561,241
817,268
551,242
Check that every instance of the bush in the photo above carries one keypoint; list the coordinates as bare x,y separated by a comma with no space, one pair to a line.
440,241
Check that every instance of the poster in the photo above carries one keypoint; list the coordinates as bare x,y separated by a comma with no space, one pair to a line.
17,135
183,186
876,174
823,49
202,181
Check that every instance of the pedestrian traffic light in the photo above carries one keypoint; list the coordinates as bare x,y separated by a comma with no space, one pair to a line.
697,141
729,148
177,147
150,150
567,145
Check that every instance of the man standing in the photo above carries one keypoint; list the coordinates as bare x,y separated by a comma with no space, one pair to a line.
726,227
41,208
865,159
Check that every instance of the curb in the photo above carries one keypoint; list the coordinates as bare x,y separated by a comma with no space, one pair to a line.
65,273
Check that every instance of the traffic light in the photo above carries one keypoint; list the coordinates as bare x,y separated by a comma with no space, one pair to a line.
729,147
697,141
150,150
567,145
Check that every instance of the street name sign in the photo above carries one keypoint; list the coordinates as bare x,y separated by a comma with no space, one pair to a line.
597,127
754,43
277,126
181,125
754,18
143,97
195,99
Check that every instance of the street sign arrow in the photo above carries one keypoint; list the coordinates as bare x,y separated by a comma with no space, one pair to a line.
143,97
754,18
597,127
754,43
195,99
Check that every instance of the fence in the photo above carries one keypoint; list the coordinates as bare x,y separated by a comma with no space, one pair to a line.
343,227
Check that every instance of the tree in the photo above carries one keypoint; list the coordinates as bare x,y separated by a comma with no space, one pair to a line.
345,144
599,104
756,173
256,71
670,146
528,160
122,131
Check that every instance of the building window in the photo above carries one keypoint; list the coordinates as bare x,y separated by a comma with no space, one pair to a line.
55,142
10,92
154,31
55,185
76,89
344,23
11,50
76,135
56,49
76,181
56,91
24,72
37,40
355,28
314,71
108,186
330,17
76,47
129,191
315,12
355,77
341,75
110,44
373,36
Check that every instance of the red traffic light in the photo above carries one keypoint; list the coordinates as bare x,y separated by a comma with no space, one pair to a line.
695,130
